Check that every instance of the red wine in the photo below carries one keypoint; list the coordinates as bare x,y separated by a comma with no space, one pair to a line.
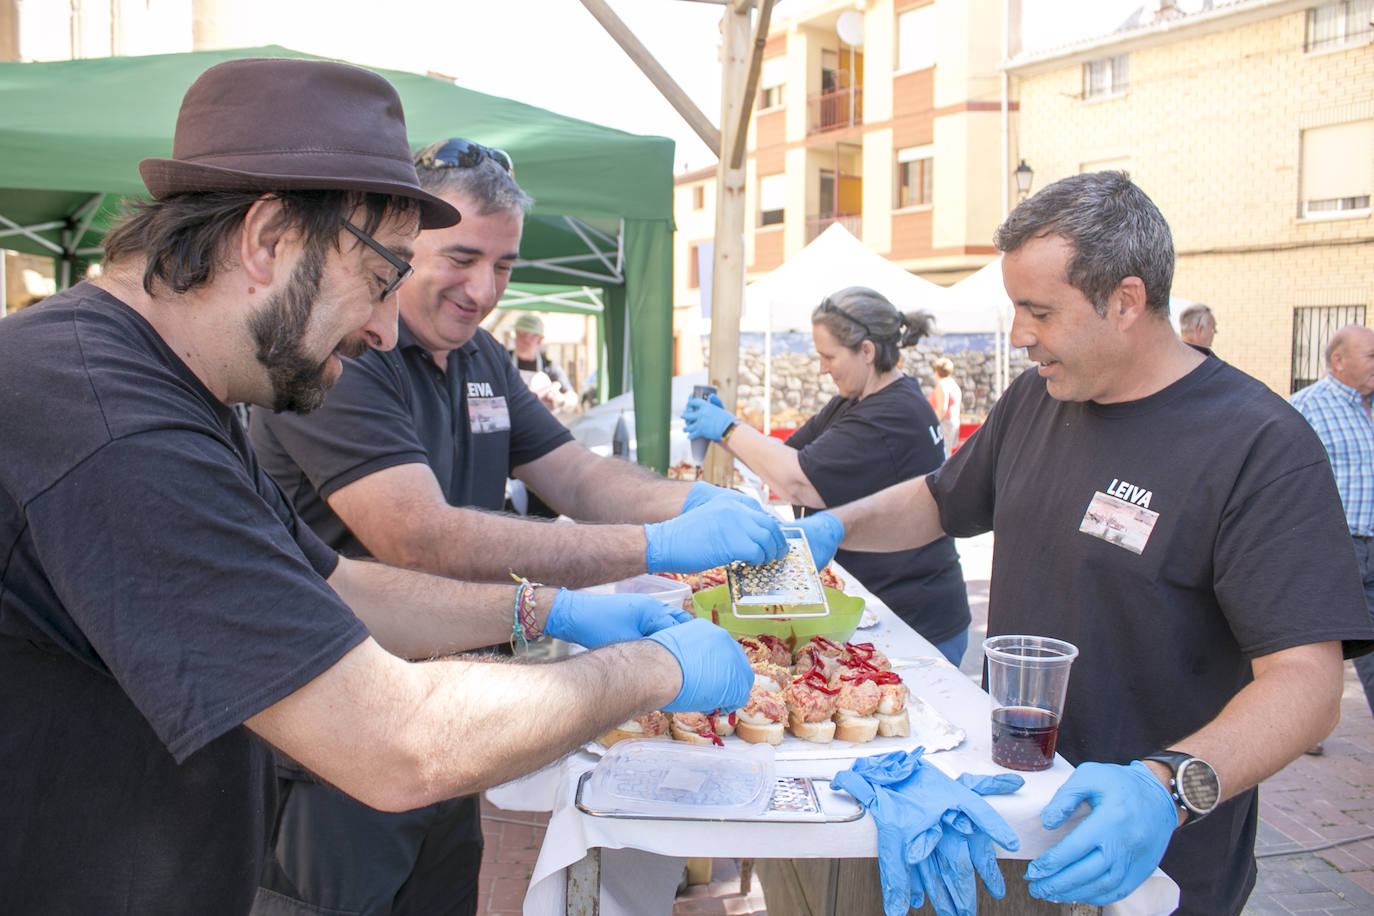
1023,737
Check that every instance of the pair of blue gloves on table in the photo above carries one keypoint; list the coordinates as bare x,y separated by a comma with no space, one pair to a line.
935,834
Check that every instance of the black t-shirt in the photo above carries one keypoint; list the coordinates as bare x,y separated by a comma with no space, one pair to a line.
1172,539
472,423
854,448
156,590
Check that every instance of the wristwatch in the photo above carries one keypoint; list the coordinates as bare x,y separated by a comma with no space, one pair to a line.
734,424
1192,782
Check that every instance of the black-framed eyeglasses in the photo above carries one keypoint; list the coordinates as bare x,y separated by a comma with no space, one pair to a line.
828,306
403,267
458,153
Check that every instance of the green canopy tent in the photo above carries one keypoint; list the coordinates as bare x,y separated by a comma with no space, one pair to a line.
74,131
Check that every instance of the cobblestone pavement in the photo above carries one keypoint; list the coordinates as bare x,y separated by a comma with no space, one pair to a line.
1313,802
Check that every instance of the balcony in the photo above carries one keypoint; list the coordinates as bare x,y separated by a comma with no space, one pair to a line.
834,110
817,224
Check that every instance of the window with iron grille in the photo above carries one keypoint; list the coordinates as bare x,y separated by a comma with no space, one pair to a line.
1106,77
1312,329
1334,25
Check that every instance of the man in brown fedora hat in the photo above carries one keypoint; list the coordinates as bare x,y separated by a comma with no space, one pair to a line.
164,613
400,463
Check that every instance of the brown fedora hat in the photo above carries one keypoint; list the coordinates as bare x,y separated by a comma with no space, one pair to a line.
288,124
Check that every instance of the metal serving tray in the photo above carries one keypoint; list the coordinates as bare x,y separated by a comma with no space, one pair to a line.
794,801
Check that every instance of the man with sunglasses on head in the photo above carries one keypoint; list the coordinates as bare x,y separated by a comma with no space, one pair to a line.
407,462
165,615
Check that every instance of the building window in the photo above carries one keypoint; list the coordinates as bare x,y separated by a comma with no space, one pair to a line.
1335,25
916,39
1337,170
771,196
693,265
772,83
915,176
699,197
1312,328
1106,77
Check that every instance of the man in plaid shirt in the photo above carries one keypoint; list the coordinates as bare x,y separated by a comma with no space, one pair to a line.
1337,406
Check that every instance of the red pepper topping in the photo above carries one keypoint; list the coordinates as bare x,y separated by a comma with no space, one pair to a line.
773,642
749,643
861,648
825,643
731,719
876,676
816,681
706,731
715,616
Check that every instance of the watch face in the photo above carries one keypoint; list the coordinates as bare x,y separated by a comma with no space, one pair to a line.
1198,786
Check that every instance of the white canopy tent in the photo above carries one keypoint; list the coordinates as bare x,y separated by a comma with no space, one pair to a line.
982,293
784,299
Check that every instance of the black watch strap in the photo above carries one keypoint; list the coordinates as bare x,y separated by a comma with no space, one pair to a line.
1193,783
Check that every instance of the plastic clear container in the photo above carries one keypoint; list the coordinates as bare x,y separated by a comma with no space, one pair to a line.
682,780
669,591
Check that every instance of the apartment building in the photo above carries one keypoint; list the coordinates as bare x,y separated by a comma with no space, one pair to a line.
1251,124
886,116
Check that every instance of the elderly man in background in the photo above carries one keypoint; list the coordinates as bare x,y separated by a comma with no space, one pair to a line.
1197,325
165,615
1338,407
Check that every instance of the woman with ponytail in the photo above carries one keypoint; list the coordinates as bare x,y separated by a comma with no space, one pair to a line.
879,430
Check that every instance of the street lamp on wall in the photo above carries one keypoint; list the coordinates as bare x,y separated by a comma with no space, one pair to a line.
1024,175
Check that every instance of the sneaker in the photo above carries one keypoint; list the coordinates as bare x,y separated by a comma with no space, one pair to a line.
1315,750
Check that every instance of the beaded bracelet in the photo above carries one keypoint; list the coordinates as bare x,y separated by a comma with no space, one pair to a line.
524,625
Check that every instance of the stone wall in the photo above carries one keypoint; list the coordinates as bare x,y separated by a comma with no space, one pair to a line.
799,390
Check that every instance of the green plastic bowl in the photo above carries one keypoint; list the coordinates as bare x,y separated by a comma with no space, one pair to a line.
845,610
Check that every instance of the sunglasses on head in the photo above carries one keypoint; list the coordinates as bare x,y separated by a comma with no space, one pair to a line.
458,153
828,306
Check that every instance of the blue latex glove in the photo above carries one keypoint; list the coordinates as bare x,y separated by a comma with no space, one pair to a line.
713,534
715,670
706,419
915,806
701,492
1116,847
824,531
965,850
595,620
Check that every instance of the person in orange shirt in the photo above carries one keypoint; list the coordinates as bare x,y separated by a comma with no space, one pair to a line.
945,398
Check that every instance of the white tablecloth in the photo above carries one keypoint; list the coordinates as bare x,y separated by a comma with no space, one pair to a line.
638,884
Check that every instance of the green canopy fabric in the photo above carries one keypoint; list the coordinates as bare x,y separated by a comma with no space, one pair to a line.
74,132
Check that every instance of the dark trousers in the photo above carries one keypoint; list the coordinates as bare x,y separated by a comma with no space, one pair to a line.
1364,665
334,856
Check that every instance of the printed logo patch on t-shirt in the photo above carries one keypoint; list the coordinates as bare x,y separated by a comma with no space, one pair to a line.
1121,516
488,415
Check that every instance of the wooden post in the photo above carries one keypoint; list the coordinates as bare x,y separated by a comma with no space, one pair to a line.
727,276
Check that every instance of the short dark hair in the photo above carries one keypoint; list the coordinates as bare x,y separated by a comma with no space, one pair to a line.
183,237
857,313
1116,232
